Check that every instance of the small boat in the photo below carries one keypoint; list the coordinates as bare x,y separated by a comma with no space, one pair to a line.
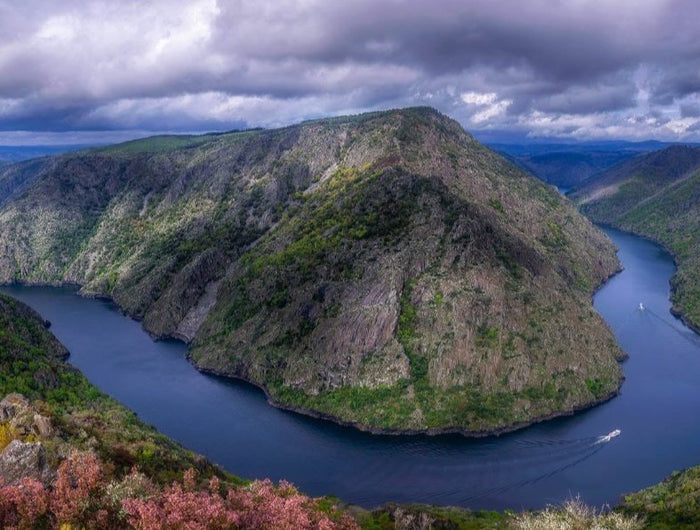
641,306
609,436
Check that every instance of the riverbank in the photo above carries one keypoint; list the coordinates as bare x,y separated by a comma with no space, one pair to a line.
404,432
363,427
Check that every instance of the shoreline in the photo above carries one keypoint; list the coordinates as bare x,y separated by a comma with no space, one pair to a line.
677,313
431,431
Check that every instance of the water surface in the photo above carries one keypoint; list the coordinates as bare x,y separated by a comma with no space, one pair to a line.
232,424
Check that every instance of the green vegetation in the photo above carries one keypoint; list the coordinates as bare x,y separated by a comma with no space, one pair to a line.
391,406
598,387
398,516
672,504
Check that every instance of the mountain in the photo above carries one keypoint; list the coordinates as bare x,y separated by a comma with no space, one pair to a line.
383,270
568,165
656,195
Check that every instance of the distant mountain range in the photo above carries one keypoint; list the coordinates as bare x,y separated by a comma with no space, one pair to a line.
11,154
568,165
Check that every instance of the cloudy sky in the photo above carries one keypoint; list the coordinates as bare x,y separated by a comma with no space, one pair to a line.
76,70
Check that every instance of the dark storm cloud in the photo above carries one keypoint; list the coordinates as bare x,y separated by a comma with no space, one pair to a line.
580,68
690,110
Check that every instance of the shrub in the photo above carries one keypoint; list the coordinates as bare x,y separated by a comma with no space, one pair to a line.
23,505
575,515
83,497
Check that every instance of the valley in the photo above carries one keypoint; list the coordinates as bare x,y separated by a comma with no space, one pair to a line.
656,196
378,259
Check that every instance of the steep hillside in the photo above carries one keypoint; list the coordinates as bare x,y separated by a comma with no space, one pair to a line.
657,196
383,270
72,457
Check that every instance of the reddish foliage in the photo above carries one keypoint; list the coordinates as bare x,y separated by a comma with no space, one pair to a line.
262,506
77,493
23,505
79,496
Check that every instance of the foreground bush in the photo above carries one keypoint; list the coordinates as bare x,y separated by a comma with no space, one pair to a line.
82,497
575,515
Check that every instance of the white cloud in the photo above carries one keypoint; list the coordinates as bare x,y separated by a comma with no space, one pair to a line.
488,105
478,98
492,111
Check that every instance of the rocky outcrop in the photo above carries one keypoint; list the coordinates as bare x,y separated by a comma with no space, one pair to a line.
21,458
24,460
17,412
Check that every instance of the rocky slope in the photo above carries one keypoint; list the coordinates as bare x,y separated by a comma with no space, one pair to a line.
382,270
657,196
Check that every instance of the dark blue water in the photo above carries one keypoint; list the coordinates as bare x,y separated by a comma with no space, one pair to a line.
232,424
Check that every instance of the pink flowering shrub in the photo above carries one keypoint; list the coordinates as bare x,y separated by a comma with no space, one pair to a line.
261,506
23,505
76,496
83,497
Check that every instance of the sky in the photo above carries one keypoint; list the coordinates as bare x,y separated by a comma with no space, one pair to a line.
77,71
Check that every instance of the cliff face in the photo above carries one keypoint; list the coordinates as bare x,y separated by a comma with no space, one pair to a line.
384,270
657,196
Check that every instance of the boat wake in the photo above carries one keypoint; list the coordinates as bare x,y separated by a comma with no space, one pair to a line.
547,458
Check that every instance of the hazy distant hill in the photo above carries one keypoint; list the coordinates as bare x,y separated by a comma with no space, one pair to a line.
384,270
656,195
569,165
10,154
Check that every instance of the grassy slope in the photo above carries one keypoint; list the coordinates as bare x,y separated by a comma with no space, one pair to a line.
672,504
383,269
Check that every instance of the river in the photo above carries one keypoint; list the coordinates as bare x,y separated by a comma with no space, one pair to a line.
231,423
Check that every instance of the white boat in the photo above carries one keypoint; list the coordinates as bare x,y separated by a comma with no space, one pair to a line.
641,306
609,436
